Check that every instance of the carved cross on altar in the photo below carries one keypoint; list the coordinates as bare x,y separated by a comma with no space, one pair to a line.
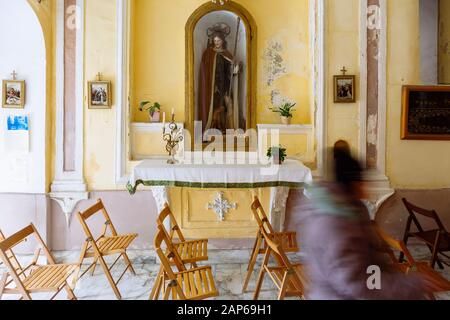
99,76
221,206
14,75
344,71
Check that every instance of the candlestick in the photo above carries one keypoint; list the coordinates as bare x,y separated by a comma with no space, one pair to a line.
173,138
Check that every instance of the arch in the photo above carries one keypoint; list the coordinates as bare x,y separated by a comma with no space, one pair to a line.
251,33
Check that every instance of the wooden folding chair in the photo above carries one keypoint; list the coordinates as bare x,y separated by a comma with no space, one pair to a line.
190,252
289,278
409,265
105,245
287,240
437,239
34,278
193,284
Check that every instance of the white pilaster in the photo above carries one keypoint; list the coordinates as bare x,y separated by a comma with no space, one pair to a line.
68,187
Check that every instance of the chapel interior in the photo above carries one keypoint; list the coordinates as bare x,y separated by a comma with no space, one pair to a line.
164,149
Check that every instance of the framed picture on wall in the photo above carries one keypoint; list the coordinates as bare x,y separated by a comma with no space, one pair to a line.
426,113
99,94
13,94
344,89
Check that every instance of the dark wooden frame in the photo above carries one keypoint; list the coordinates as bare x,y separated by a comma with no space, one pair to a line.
346,77
405,134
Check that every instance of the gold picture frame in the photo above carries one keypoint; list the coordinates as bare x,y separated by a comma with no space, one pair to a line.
425,112
99,94
344,89
13,94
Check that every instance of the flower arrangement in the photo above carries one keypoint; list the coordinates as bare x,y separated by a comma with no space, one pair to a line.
278,154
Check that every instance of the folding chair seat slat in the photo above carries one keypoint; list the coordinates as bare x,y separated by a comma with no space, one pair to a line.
45,276
198,278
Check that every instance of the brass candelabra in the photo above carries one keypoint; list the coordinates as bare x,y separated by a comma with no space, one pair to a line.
173,138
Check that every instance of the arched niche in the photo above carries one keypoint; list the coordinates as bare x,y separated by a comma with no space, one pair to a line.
204,18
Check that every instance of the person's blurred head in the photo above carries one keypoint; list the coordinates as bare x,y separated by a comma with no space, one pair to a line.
348,173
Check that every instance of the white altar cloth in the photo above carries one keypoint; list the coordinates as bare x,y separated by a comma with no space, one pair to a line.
291,173
159,175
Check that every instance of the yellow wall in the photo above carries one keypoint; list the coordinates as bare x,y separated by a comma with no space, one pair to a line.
159,51
100,125
159,72
444,42
410,164
342,49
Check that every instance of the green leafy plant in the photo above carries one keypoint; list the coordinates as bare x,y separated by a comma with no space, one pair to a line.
277,153
152,109
285,110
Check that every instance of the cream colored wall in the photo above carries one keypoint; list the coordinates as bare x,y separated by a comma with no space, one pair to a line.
410,164
342,49
100,125
444,42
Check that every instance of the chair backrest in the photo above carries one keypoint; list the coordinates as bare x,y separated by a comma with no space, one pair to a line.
431,214
279,254
166,213
160,239
171,254
261,217
394,244
9,259
94,210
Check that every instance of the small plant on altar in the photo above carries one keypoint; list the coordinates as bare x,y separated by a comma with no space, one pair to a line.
285,111
154,110
278,154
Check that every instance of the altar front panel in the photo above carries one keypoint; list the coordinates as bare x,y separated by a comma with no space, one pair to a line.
190,206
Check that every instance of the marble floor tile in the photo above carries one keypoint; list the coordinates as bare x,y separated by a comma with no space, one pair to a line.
229,268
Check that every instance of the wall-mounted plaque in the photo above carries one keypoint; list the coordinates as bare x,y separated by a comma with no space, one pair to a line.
426,113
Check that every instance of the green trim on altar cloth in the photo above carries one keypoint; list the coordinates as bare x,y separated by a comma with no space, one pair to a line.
219,185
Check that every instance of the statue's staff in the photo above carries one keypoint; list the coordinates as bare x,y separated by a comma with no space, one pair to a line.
234,54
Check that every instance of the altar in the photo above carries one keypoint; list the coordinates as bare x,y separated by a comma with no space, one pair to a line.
214,200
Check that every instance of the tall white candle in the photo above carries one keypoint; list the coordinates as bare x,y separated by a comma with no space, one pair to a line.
164,122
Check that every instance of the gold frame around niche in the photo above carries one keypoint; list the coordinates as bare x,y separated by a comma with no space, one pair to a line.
250,26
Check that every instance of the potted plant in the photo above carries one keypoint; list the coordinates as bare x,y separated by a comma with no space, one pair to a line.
154,110
277,154
285,111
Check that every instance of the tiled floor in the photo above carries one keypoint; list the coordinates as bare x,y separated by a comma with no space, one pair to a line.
229,268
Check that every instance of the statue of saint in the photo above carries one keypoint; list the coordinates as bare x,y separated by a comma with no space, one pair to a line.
218,85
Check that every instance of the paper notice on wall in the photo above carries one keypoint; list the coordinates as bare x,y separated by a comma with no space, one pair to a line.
17,137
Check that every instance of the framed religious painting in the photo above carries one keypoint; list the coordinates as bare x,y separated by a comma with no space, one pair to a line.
13,94
99,94
426,113
344,89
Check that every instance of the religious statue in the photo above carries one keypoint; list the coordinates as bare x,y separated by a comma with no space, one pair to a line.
218,82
